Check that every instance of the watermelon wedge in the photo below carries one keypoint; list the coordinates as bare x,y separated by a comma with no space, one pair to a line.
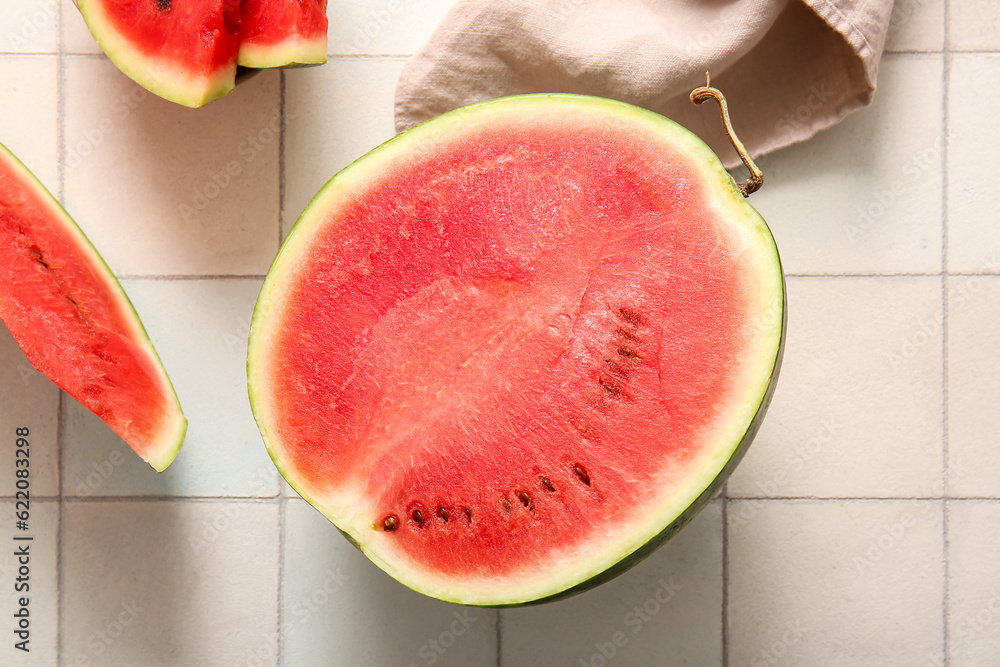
182,50
283,33
514,349
73,321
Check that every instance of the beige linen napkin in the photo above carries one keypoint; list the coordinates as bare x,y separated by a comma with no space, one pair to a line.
789,68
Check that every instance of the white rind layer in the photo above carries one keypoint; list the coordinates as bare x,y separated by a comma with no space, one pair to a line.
292,53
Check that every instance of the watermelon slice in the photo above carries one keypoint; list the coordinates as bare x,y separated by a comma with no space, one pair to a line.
283,33
514,349
71,318
182,50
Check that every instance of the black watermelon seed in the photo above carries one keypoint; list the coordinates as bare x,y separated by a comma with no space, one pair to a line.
468,513
547,484
524,498
624,334
581,473
38,257
628,353
418,516
164,5
506,505
443,513
630,316
610,388
390,523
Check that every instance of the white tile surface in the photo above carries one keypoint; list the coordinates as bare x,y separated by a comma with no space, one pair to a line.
868,378
76,37
973,190
39,585
168,583
28,122
973,583
323,103
370,27
668,605
200,331
332,592
29,26
29,401
833,584
973,386
916,25
857,411
865,196
200,197
974,25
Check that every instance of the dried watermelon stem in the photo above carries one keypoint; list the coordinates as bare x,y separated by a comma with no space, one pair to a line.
706,92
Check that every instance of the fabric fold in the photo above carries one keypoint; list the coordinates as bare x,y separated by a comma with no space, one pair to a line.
789,68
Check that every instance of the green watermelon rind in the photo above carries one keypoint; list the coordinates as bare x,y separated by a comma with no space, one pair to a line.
161,454
158,76
704,487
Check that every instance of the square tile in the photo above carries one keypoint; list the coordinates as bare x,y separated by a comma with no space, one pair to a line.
973,386
974,25
28,87
865,196
379,27
668,605
195,190
199,328
857,410
168,583
335,114
973,583
916,25
973,188
339,607
29,400
76,37
824,583
29,26
38,586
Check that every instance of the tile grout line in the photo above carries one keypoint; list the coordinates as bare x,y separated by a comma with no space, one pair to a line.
253,500
499,637
279,621
282,499
725,576
189,276
60,565
945,450
281,156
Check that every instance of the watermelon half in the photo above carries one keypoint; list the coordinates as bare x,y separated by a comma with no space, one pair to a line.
514,349
73,321
283,33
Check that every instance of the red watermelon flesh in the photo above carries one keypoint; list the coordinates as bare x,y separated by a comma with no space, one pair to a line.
510,349
183,50
74,323
280,33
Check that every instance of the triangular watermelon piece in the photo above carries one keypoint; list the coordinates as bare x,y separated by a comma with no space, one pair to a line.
283,33
182,50
74,322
